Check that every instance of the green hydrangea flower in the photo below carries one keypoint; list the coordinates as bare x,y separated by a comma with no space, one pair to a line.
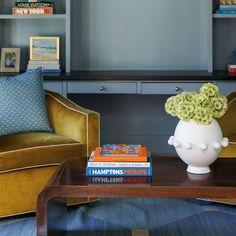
185,110
219,106
189,96
170,106
202,115
210,90
200,107
202,101
179,99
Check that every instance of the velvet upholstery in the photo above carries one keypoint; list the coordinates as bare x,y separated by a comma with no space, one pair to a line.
28,160
228,126
29,150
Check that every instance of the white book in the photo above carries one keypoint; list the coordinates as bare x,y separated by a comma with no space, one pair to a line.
230,66
227,7
91,163
53,67
43,62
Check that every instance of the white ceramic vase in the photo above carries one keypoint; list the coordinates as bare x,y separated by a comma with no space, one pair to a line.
198,145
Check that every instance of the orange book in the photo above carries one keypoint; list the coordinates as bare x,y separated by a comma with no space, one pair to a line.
32,11
141,157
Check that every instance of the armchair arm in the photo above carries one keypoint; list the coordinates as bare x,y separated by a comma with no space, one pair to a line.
228,121
69,119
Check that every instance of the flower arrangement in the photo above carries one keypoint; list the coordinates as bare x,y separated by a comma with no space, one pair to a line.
200,107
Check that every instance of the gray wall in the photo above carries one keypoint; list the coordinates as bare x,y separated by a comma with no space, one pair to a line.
139,34
224,42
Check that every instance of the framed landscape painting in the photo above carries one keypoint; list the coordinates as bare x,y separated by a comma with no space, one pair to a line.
10,60
44,48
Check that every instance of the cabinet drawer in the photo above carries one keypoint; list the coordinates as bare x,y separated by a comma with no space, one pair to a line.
102,87
53,86
169,88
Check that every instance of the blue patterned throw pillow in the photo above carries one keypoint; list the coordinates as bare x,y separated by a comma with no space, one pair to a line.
22,104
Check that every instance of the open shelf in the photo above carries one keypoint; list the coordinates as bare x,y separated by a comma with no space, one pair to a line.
54,16
16,30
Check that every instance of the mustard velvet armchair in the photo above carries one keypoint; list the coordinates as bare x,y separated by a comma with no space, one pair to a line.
228,126
28,160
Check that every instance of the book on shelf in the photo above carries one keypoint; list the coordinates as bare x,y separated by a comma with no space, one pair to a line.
227,7
227,2
25,4
141,157
232,71
48,71
39,63
231,66
44,67
119,180
32,11
47,66
120,149
225,12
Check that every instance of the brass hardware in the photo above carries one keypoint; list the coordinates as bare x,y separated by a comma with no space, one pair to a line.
177,89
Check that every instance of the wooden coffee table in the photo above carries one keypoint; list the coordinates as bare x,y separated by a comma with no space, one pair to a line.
169,179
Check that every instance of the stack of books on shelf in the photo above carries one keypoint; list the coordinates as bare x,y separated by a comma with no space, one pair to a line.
227,7
36,7
47,66
231,69
119,163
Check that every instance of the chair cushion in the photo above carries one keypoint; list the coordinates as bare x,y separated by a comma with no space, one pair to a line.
29,150
22,104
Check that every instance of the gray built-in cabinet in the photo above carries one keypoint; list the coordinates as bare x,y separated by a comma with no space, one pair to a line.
183,37
128,34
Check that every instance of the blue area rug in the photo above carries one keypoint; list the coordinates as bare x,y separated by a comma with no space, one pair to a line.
164,217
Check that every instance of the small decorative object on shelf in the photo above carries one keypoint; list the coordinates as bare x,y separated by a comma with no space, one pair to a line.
32,8
10,60
45,53
119,160
227,7
231,68
198,137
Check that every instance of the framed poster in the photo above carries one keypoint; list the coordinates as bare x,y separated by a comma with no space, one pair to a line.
10,60
44,48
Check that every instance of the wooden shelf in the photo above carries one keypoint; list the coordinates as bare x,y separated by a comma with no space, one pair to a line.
16,17
167,76
148,75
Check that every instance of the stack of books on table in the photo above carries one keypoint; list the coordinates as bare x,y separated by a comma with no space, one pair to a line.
47,66
119,160
227,7
36,7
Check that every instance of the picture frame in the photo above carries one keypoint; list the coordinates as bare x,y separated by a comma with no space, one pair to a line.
44,48
10,60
